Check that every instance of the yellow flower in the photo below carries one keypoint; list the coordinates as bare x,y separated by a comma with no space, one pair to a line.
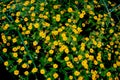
6,63
41,8
25,19
51,51
69,20
76,73
80,78
95,62
42,71
15,55
55,66
82,48
102,65
32,8
34,70
4,50
48,78
35,43
83,44
42,34
88,6
55,75
64,38
87,55
47,38
108,74
36,25
26,73
22,48
118,63
66,58
91,50
32,1
76,2
6,27
74,48
84,64
16,72
81,15
79,57
75,59
29,61
26,3
50,59
42,4
91,57
14,40
69,64
70,10
71,77
18,13
24,65
111,31
19,60
67,50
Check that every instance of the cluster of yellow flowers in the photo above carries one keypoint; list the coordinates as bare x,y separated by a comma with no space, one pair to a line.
70,39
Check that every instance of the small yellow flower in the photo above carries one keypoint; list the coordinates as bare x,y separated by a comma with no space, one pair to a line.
66,58
41,8
55,66
108,74
16,72
34,70
42,71
80,78
32,8
36,25
66,50
4,50
71,77
26,73
14,40
48,78
70,10
55,75
24,65
25,19
15,55
95,62
6,63
81,15
35,43
102,65
111,31
91,50
19,60
75,59
29,61
50,59
42,34
76,73
51,51
74,48
82,48
47,38
18,13
79,57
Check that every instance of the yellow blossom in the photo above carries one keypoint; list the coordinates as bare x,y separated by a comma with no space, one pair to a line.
16,72
42,71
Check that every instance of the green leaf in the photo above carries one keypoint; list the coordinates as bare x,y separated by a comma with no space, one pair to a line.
13,68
